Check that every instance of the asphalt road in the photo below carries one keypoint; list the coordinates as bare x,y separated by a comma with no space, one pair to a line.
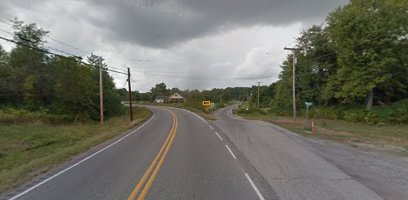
174,155
289,166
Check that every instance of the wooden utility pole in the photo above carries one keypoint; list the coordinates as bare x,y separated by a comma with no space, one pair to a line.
259,83
130,97
293,81
101,92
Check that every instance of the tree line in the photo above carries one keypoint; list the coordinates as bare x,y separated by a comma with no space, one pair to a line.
358,57
193,97
34,80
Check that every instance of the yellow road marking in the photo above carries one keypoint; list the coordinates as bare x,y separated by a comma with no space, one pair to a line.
161,155
156,170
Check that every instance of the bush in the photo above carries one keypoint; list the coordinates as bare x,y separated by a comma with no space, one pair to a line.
396,113
334,113
18,116
355,116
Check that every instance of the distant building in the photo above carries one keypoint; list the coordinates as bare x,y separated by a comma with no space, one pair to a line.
176,98
160,99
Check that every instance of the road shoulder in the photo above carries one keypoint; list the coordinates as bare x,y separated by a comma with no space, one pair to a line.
293,171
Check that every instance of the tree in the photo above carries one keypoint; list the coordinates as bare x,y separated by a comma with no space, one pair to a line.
6,89
28,34
316,65
111,97
175,90
33,79
159,90
28,74
75,89
366,35
283,90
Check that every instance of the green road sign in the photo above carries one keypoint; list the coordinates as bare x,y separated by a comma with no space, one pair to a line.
308,104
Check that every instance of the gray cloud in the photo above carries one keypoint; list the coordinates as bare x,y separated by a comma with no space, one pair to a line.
204,43
151,25
163,23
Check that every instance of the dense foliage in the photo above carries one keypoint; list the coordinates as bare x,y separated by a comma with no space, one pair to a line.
36,81
194,98
358,59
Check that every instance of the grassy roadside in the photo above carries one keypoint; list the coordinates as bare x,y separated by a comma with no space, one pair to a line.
29,149
390,138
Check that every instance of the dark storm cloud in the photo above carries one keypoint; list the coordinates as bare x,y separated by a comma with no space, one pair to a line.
229,37
159,23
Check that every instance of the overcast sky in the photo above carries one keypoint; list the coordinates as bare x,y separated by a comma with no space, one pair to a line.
191,44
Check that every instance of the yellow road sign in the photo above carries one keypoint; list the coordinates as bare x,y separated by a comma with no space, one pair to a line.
206,103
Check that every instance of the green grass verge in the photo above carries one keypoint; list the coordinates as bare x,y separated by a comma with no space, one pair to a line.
29,149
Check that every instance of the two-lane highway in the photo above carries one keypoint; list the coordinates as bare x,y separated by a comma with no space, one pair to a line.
174,155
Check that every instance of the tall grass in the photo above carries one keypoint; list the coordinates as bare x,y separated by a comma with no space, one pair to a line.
28,149
396,113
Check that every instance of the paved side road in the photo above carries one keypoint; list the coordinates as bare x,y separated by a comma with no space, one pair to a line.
289,164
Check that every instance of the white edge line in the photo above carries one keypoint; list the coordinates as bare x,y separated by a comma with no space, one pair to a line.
218,136
231,152
254,186
81,161
196,116
211,127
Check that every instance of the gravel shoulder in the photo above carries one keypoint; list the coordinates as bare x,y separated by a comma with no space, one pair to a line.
308,168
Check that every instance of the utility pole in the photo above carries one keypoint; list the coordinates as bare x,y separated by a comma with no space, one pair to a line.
101,92
130,97
293,81
259,83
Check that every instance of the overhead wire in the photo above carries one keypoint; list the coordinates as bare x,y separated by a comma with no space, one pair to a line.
152,73
333,53
43,50
69,46
206,78
53,49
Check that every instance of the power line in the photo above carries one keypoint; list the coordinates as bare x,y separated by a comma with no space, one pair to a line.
49,52
52,53
206,78
55,40
76,48
188,73
124,84
332,53
65,44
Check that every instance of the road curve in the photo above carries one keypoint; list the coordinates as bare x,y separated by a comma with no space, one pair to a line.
289,167
186,158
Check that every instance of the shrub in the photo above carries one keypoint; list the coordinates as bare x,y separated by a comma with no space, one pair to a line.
396,113
355,116
399,112
17,116
334,113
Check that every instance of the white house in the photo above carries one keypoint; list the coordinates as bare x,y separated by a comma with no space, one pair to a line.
160,99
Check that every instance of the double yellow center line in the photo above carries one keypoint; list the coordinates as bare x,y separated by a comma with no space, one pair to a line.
149,176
